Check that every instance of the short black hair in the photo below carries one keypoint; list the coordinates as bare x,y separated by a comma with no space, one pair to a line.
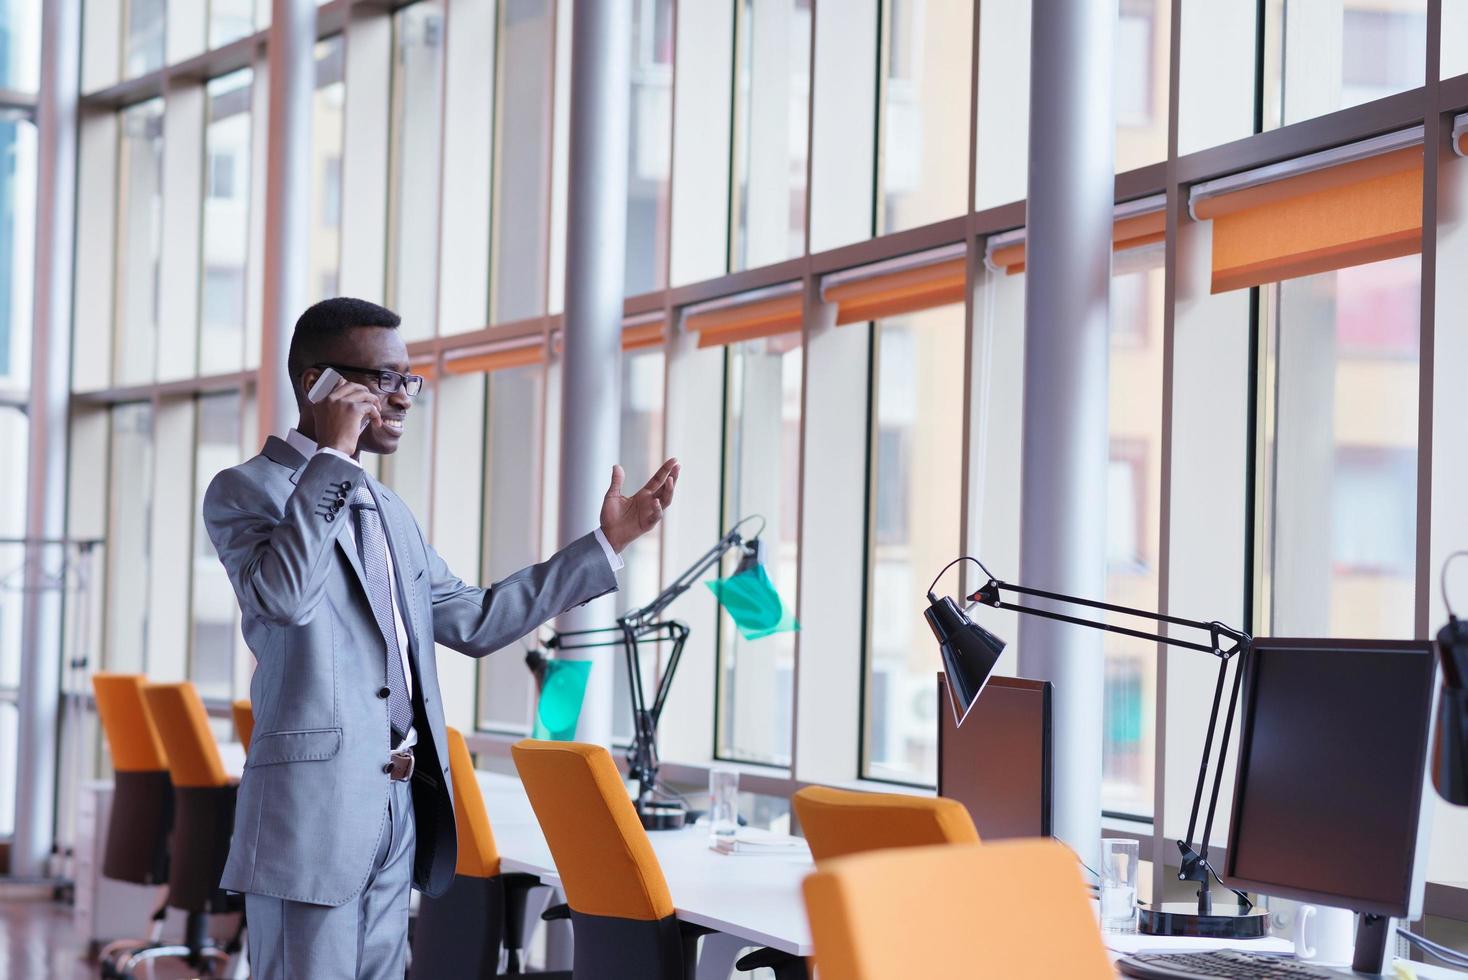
328,320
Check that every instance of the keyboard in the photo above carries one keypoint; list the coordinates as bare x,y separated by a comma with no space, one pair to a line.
1225,963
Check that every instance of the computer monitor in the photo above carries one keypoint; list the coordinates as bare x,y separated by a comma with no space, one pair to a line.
998,763
1332,768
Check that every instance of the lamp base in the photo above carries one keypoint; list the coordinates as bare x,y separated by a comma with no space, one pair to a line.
1227,921
662,815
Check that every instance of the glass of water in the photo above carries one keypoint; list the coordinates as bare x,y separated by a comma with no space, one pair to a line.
723,802
1119,858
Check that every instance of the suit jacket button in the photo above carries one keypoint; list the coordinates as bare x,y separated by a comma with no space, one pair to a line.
330,518
383,692
387,767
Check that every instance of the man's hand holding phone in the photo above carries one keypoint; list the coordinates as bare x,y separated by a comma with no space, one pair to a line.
342,409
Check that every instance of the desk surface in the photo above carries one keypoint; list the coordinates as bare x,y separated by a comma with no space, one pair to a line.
754,897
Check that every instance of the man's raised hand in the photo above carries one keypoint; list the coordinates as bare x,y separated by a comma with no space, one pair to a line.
625,519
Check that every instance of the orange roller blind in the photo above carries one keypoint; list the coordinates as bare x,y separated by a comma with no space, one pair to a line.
898,292
643,335
1349,214
501,359
428,370
1133,231
638,336
747,321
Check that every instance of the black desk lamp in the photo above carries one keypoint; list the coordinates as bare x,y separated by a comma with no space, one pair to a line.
658,807
1450,753
969,652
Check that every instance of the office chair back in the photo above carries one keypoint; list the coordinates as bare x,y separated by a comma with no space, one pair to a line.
460,932
204,797
1014,909
142,798
244,721
839,822
621,910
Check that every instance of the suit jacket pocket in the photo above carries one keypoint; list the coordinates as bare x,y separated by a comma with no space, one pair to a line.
306,745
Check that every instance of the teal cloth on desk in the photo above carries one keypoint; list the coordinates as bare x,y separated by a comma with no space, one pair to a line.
752,602
561,695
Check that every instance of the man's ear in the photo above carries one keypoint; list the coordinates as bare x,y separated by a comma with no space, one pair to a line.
308,378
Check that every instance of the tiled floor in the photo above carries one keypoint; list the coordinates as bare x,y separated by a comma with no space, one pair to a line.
37,942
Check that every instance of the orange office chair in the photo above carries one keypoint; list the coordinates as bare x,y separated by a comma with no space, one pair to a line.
837,822
244,721
963,911
621,911
142,801
459,934
204,797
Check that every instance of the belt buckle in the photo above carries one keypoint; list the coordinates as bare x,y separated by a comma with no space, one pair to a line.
402,765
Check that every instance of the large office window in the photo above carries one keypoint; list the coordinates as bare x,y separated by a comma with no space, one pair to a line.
763,382
913,530
924,127
226,223
144,36
1339,442
417,124
13,444
230,20
1001,164
129,533
139,240
17,251
1216,88
1133,524
649,146
522,170
327,119
14,437
642,454
513,512
215,612
1325,55
772,96
20,44
1140,94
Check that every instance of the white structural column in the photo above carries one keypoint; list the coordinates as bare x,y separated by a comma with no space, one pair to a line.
596,224
287,202
1067,323
41,646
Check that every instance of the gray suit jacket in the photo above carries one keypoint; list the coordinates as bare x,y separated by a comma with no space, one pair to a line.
313,796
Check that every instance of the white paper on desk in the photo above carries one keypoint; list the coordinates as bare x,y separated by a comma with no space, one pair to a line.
752,840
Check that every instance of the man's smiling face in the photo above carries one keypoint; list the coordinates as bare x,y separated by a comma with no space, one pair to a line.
374,348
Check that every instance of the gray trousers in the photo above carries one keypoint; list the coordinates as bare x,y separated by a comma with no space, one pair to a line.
365,939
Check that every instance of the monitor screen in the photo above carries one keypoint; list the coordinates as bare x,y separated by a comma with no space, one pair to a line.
998,763
1331,769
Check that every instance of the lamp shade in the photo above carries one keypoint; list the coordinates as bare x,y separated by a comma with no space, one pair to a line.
969,653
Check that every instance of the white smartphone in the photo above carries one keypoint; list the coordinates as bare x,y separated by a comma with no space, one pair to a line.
325,385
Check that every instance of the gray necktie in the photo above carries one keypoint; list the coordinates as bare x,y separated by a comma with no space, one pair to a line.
372,547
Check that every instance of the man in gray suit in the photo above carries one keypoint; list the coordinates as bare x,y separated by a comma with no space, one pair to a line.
345,802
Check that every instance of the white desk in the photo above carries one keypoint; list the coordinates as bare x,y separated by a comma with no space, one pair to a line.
755,898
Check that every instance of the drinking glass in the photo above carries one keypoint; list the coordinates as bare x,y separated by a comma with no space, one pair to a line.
1119,859
723,802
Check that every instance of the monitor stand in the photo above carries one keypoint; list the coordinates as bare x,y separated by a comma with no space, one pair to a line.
1373,939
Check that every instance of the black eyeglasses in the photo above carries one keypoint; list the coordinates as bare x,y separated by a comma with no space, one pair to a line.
387,381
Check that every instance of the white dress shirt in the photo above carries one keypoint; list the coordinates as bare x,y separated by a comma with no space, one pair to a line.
308,448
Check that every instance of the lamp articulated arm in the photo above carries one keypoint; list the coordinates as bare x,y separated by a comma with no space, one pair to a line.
645,623
1223,642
